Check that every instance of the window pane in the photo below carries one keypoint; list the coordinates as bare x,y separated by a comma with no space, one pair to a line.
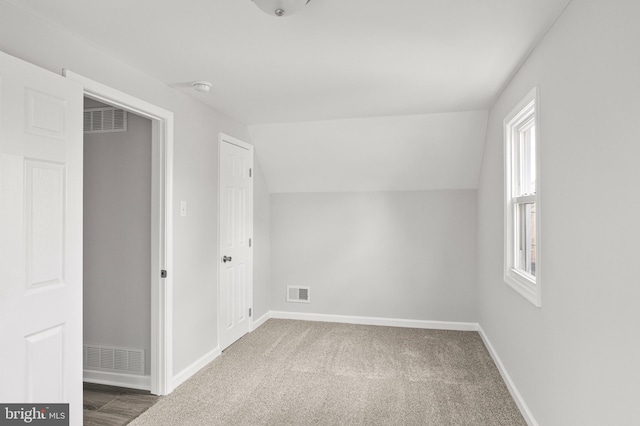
526,244
527,158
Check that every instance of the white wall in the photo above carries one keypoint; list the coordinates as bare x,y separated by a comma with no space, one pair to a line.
195,167
405,255
261,242
575,360
117,235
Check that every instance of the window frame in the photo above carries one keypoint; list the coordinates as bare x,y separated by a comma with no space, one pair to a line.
519,119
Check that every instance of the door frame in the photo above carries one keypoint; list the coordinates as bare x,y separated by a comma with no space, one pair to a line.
161,223
222,138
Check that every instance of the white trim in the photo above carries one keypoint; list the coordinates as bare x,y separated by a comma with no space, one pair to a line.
526,285
388,322
513,390
114,97
130,381
235,141
257,323
196,366
161,223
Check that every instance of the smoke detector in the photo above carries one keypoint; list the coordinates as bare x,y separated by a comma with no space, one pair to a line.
201,86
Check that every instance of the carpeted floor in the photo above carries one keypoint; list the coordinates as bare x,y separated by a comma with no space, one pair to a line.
311,373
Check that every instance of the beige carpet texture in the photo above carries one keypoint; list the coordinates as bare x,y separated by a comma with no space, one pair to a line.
313,373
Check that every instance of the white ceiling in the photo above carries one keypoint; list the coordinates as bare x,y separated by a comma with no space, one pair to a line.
346,95
334,59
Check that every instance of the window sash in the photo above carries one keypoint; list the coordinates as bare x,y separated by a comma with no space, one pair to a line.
524,239
525,199
522,185
523,154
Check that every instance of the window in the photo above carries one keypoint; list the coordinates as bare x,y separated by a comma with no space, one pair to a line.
522,199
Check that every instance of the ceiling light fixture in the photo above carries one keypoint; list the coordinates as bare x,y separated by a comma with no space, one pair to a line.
280,7
201,86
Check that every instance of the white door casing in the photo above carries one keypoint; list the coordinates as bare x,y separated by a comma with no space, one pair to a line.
161,224
40,237
235,231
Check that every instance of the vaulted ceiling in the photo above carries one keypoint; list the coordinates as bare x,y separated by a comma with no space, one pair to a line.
334,60
412,152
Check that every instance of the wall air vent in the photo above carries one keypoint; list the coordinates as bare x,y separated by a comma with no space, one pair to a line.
107,358
298,294
105,120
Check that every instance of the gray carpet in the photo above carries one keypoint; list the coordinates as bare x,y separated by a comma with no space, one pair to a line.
311,373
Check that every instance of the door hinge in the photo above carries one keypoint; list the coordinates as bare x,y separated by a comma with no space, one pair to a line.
249,242
249,172
249,311
163,273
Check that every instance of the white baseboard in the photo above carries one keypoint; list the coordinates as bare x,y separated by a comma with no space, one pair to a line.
389,322
192,369
515,394
257,323
130,381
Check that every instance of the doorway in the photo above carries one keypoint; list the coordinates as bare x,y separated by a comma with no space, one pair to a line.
117,247
161,232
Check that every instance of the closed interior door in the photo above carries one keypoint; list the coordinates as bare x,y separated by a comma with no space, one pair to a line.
236,228
41,237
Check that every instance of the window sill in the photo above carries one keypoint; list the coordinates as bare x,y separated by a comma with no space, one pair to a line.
527,287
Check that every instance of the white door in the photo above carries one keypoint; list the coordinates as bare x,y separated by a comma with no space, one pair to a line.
236,229
40,237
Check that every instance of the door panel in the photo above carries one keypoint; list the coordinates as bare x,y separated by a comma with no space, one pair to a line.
41,243
45,365
236,227
46,115
44,220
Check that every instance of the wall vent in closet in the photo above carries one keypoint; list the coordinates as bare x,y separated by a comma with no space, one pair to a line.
105,120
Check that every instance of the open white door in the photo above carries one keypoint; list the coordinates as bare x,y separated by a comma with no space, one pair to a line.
236,231
41,237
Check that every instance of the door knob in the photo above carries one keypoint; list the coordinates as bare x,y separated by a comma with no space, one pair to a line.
226,259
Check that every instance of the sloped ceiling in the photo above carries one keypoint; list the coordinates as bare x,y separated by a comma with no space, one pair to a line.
334,60
414,152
